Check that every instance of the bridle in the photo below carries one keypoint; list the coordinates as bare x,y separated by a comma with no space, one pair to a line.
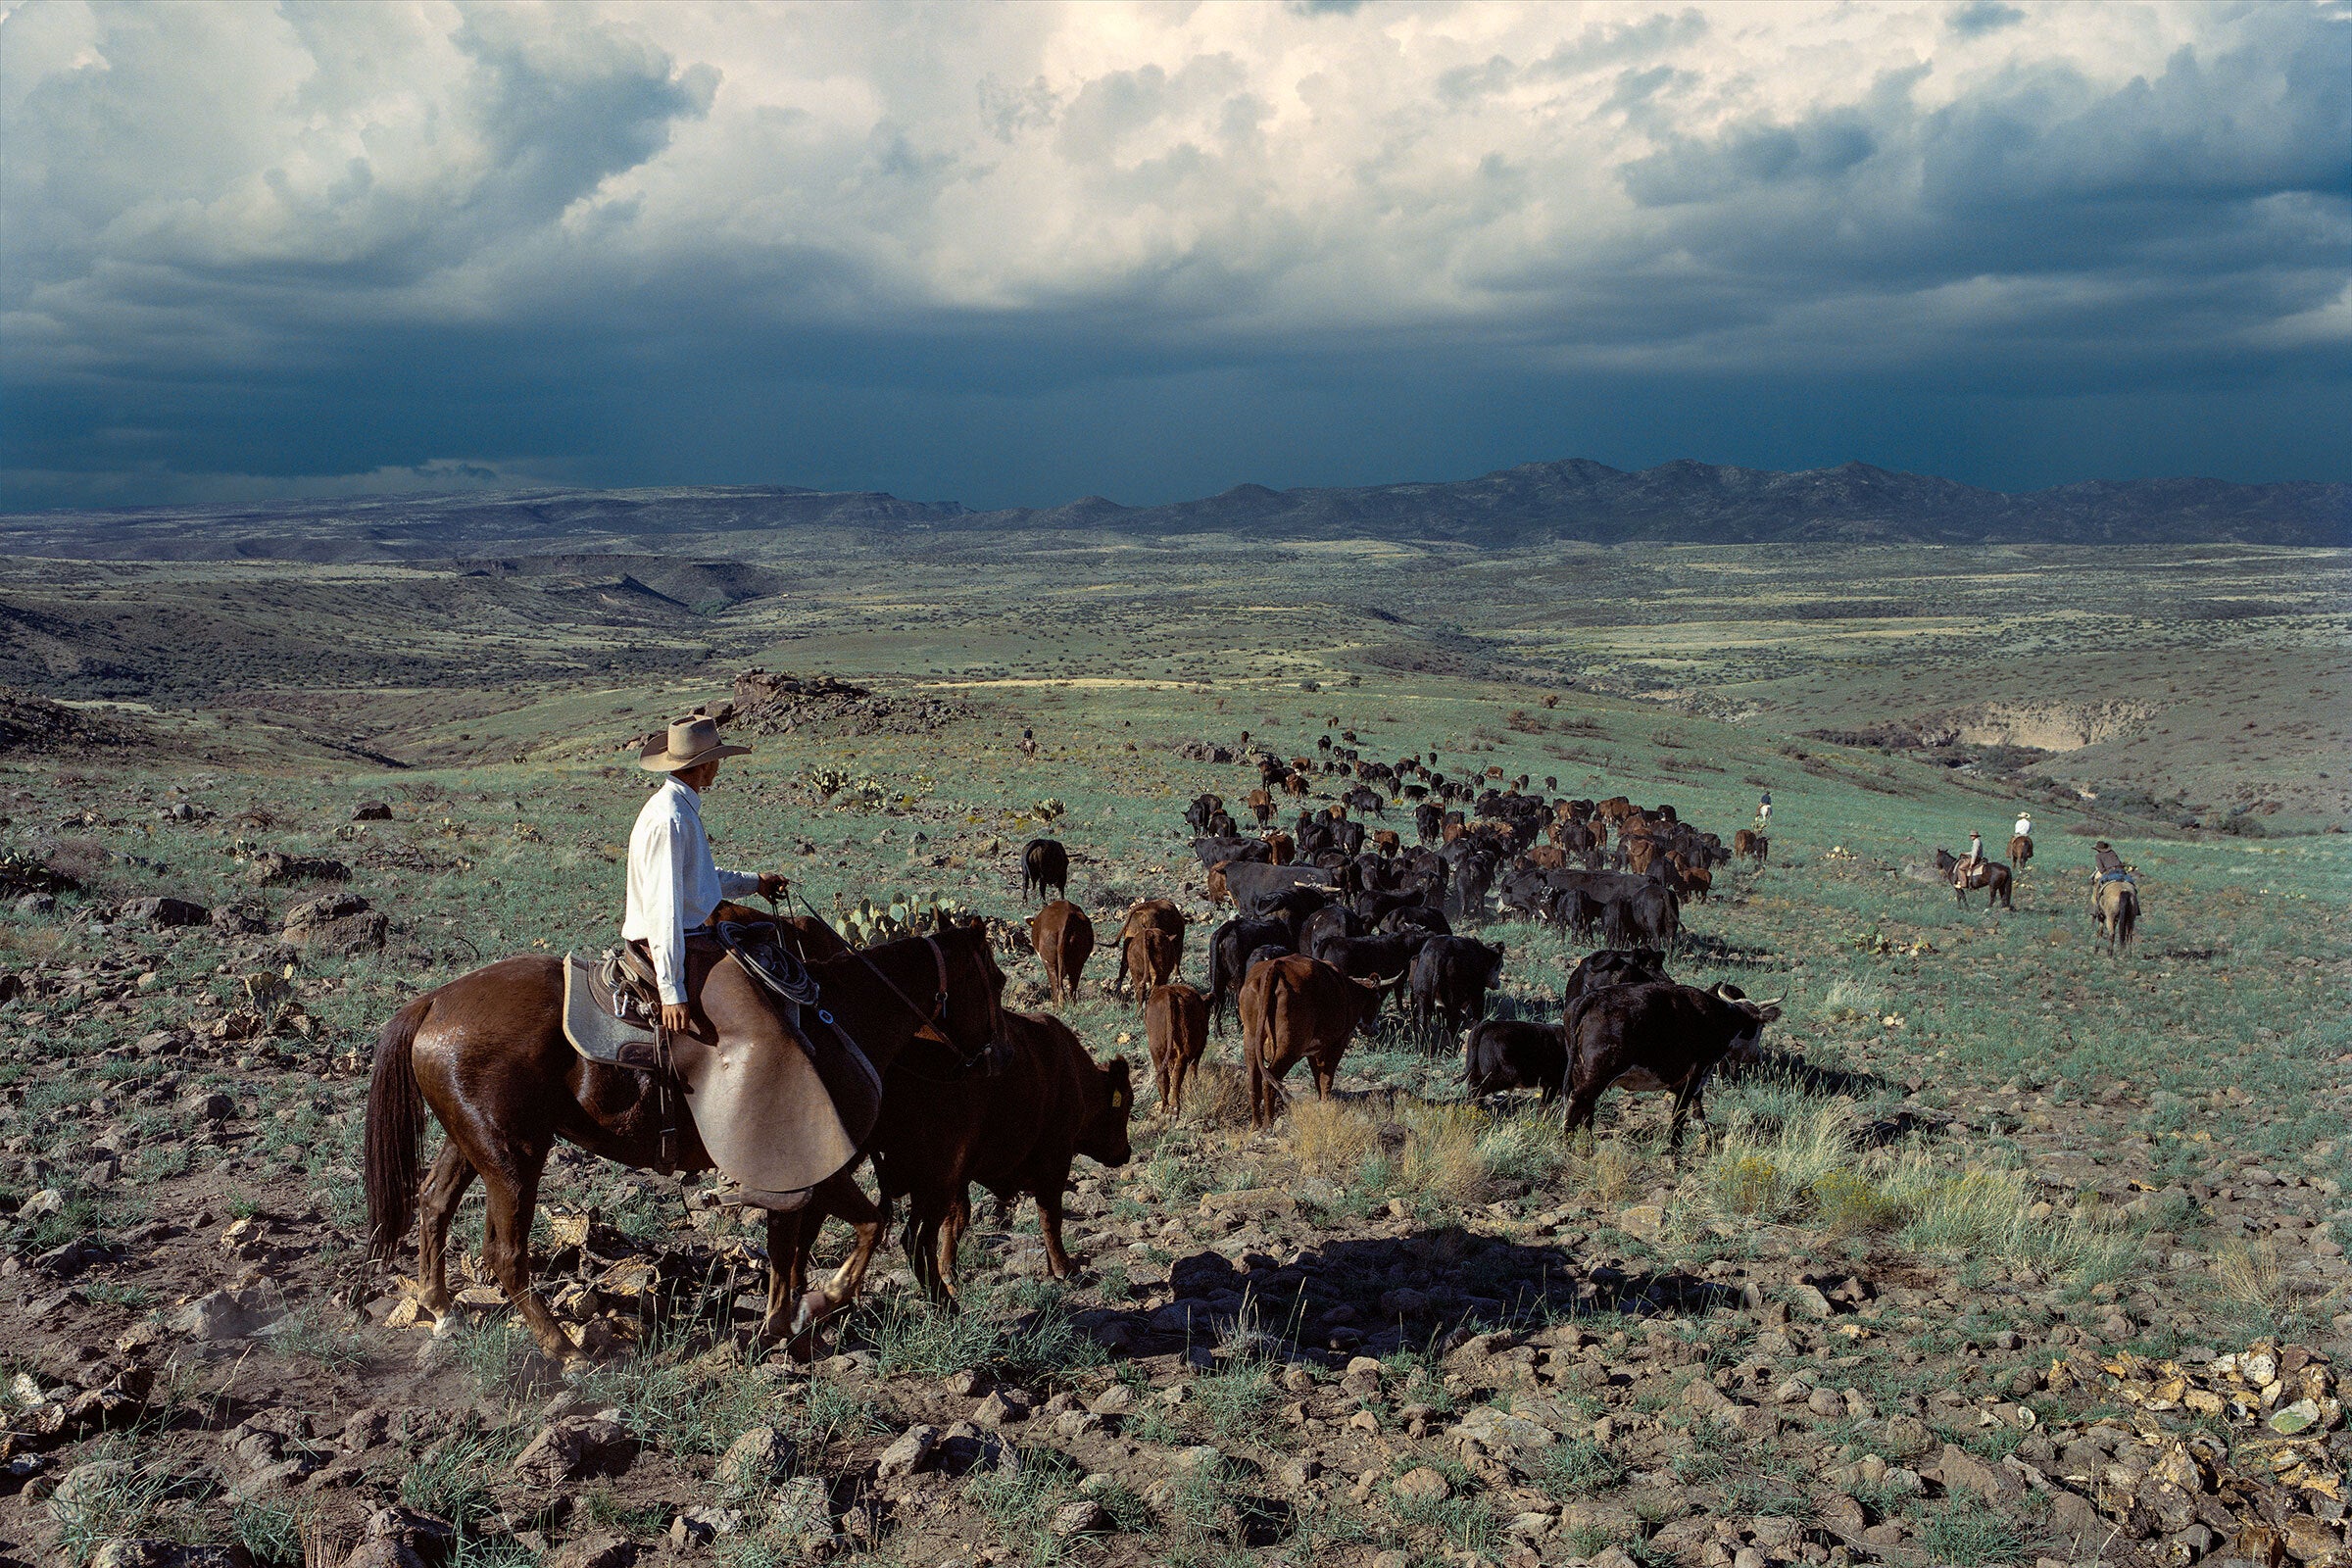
930,1025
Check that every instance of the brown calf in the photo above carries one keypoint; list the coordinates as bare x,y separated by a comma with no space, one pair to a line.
1015,1133
1063,937
1295,1009
1176,1024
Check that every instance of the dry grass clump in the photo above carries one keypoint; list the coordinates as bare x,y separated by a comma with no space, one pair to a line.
1382,1144
1331,1138
1218,1094
1441,1154
1801,1165
2250,1274
1615,1169
1988,1212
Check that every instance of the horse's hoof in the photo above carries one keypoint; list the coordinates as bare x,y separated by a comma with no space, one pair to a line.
813,1308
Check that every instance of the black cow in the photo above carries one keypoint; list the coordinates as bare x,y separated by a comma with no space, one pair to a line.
1450,977
1372,958
1333,919
1229,947
1648,917
1258,890
1614,966
1214,851
1473,875
1416,917
1658,1036
1514,1053
1045,864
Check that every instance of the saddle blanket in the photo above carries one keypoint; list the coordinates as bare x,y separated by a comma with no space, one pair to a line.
592,1025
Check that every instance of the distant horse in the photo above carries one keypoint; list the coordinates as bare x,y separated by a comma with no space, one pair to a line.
1993,876
2115,911
486,1055
2020,851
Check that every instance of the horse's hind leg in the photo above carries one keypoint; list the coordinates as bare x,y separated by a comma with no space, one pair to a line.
512,1188
436,1205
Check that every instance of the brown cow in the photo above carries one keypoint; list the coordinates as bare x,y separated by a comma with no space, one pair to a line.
1218,893
1749,845
1176,1024
1296,1009
1262,805
1150,946
1640,855
1282,849
1295,784
1149,959
1386,840
1544,858
1063,937
1013,1133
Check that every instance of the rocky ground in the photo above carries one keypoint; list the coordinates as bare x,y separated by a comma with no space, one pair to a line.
1927,1308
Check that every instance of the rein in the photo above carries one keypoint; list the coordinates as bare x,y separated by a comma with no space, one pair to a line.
928,1024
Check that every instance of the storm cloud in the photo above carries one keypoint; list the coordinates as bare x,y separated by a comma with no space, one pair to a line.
1011,254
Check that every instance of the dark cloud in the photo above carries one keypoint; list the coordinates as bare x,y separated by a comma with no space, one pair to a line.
255,252
1984,15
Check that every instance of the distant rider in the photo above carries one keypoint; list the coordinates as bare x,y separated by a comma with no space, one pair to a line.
2106,866
2025,825
1764,811
673,882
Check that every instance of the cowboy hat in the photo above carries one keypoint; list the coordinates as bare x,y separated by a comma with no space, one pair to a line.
691,740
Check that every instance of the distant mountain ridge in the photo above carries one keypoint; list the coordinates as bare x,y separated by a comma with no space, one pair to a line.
1683,501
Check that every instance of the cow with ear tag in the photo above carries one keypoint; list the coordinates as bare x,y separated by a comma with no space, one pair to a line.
1658,1036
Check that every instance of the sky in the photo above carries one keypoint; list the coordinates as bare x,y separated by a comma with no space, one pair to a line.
1016,254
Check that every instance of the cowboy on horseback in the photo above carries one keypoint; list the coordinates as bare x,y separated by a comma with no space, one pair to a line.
2106,866
1964,874
674,884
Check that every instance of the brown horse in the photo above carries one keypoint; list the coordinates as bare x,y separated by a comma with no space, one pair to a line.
2115,911
2020,851
1993,876
486,1055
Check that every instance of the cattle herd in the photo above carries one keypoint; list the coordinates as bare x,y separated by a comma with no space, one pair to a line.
1333,919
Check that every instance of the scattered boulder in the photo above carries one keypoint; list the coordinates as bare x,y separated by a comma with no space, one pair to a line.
757,1460
220,1315
372,812
909,1454
574,1447
274,870
340,922
163,911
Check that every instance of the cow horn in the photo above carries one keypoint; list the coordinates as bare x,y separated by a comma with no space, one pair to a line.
1772,1002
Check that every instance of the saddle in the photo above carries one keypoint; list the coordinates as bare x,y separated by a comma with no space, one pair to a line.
611,1007
777,1117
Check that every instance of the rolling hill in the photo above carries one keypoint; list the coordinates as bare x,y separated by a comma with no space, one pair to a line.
1682,501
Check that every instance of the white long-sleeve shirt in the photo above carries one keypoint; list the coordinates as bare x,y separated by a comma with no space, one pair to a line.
673,883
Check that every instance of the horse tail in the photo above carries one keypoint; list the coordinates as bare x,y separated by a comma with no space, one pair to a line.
395,1130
